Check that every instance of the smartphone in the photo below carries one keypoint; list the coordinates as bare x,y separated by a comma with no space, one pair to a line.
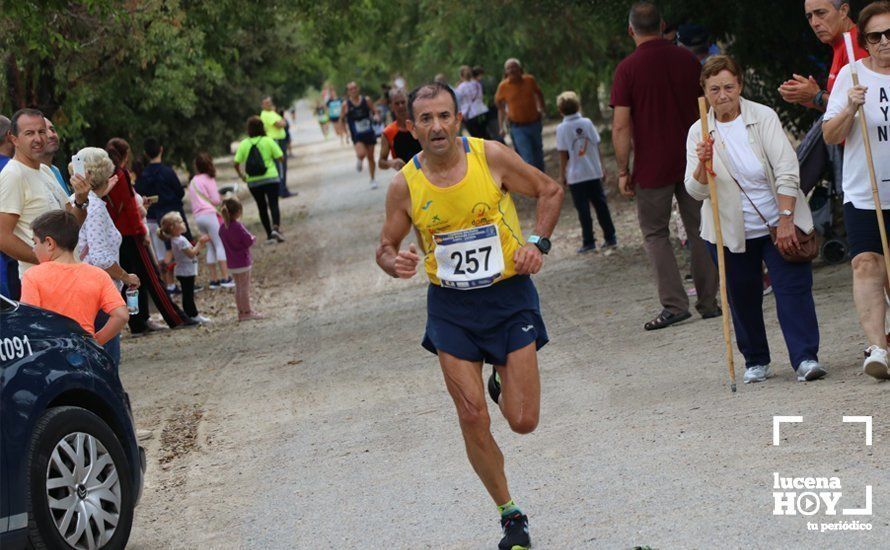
79,167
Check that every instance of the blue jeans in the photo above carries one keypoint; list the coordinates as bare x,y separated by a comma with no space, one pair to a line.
793,288
528,142
585,193
113,346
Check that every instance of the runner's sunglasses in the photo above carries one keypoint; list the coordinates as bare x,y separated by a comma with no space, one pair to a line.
875,37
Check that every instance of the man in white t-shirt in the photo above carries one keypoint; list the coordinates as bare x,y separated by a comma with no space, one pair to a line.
28,189
581,167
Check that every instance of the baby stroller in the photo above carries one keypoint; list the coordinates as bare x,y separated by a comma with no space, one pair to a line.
821,177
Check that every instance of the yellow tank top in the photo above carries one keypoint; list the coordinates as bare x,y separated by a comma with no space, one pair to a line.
469,231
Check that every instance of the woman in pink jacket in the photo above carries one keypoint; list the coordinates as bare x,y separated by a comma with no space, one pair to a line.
204,198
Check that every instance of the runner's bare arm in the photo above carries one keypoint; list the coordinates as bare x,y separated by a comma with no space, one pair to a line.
373,108
516,176
398,263
344,108
383,160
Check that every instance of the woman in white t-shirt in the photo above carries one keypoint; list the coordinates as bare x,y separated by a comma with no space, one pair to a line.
758,186
860,219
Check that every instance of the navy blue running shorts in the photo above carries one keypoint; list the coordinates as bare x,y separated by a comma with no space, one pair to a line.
485,324
863,234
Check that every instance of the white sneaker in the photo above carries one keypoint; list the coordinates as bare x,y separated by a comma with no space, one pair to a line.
200,319
277,236
875,364
227,283
373,184
757,373
358,165
810,370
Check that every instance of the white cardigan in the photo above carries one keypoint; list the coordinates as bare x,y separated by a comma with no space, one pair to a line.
772,148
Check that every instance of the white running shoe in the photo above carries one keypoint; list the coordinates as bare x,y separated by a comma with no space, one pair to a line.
875,364
200,319
757,373
373,184
277,236
358,165
810,370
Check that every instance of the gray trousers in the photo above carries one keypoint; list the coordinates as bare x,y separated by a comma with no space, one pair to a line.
654,213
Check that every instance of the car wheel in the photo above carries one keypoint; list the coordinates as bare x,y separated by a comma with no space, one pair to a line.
80,492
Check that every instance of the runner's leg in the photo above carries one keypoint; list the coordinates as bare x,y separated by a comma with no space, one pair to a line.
372,164
520,399
464,382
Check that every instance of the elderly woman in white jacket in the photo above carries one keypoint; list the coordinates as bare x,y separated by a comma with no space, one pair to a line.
758,186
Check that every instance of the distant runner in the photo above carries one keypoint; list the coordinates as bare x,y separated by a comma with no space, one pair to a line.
360,113
397,139
482,305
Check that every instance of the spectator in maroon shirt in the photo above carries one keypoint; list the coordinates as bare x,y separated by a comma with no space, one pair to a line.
135,256
654,94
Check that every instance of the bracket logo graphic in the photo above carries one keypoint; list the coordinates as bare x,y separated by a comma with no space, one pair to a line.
808,496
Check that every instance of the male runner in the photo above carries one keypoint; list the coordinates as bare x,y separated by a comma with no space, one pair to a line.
359,112
482,304
397,140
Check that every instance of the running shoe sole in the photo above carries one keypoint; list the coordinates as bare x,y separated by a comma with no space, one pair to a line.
494,389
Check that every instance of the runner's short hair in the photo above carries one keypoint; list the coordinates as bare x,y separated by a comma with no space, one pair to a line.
719,63
14,123
568,103
478,70
875,8
429,91
255,127
61,225
644,19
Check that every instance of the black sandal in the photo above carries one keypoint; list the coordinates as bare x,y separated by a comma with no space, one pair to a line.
666,319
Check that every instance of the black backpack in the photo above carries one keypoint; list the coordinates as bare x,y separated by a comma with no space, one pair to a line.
256,165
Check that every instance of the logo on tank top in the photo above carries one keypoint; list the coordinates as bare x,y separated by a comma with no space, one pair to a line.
480,214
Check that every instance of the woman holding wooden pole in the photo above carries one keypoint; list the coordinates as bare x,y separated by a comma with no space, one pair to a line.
758,188
863,88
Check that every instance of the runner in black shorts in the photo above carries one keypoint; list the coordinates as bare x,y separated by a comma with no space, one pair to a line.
360,113
482,305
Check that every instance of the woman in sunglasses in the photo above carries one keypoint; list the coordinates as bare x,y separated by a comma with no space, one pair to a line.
873,94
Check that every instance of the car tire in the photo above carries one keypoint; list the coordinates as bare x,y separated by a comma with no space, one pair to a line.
59,432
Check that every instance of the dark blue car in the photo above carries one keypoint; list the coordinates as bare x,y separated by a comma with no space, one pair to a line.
71,470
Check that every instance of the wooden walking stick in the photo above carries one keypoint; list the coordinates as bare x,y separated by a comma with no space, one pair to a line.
863,127
721,261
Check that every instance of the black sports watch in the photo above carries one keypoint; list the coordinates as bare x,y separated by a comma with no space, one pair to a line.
543,243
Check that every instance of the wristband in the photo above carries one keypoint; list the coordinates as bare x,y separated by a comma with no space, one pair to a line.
819,100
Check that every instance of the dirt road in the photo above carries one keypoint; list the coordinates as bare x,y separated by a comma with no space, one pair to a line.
328,426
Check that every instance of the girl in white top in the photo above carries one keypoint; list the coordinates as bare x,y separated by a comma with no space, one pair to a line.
171,228
860,215
755,170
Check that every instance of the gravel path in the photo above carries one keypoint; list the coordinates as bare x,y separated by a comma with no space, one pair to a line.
328,426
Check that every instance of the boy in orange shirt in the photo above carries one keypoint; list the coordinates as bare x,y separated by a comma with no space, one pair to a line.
62,284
